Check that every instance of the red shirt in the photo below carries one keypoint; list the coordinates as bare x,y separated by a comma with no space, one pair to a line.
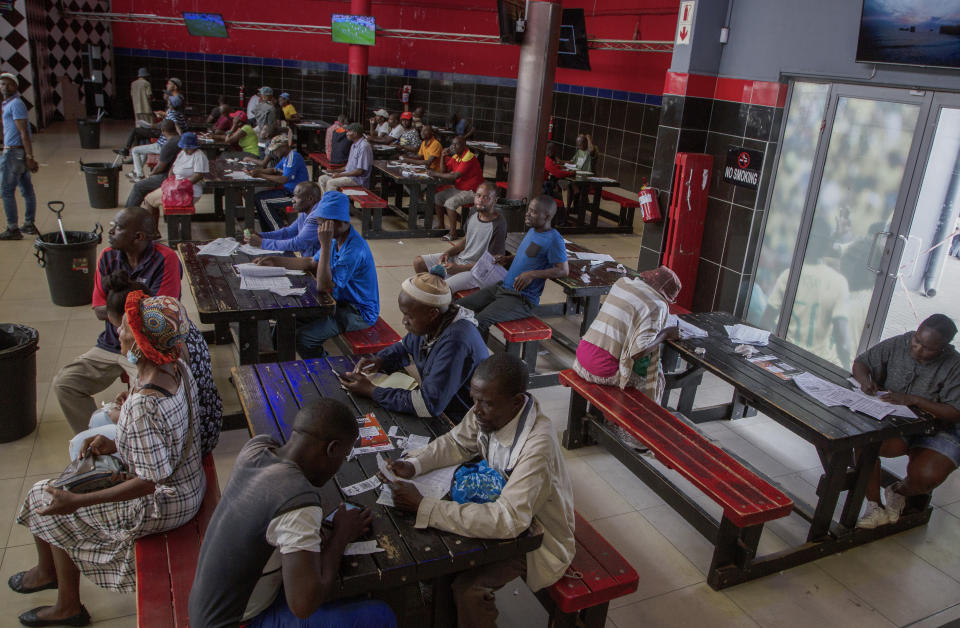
468,165
555,170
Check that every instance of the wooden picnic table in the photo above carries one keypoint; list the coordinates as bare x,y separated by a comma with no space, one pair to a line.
420,187
234,190
314,129
587,200
271,394
215,285
847,442
500,152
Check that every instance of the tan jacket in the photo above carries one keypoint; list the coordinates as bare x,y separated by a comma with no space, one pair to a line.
538,489
141,94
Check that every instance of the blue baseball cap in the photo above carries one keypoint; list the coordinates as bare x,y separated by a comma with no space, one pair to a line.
188,140
285,95
334,206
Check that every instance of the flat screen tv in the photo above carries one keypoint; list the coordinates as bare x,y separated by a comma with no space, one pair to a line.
572,48
910,32
205,24
353,29
509,12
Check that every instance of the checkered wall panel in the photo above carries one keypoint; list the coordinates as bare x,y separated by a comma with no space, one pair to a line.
67,40
15,52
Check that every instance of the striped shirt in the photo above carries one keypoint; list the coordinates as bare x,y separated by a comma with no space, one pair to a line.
159,269
630,319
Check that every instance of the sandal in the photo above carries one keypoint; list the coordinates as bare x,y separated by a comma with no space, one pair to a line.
16,584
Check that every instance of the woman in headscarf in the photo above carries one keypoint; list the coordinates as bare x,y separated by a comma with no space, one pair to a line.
622,346
94,533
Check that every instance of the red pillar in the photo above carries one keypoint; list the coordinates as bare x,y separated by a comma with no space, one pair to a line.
356,97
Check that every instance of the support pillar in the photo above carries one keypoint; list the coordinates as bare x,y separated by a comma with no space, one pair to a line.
356,96
534,102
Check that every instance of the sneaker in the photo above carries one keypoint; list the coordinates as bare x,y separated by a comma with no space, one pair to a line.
121,151
11,234
895,503
875,515
29,228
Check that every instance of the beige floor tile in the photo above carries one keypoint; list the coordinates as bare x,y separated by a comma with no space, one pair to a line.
802,597
897,582
10,491
947,617
627,485
593,497
938,542
50,454
15,456
20,535
519,607
661,567
696,605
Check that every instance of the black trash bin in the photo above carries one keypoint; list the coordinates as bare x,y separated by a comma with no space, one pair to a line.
103,184
514,210
89,130
18,372
71,267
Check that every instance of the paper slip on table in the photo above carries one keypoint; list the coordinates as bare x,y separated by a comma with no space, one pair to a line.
271,395
235,191
420,187
837,433
215,285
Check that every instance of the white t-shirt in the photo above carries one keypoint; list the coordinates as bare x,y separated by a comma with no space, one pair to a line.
396,131
383,129
185,166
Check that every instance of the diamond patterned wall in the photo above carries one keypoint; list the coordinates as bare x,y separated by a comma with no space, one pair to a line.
68,38
15,52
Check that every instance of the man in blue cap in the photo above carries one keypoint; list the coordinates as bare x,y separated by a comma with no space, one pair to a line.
345,269
192,164
265,112
289,111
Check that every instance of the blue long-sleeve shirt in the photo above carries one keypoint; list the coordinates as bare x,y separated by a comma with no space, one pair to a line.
300,235
445,372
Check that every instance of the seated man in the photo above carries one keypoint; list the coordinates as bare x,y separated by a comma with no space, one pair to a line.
464,171
176,107
168,154
418,118
486,233
154,265
582,160
141,153
301,235
461,126
443,343
430,152
505,427
919,369
541,255
286,107
288,570
290,171
224,122
345,269
359,164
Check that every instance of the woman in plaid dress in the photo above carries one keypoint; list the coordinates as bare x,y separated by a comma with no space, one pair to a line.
94,533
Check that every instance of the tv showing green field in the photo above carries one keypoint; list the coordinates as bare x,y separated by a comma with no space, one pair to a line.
353,29
205,24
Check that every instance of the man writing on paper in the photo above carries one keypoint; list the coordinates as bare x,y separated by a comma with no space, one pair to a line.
301,235
505,427
444,344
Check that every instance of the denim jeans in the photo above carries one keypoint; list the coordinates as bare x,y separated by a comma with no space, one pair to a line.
338,614
312,334
13,173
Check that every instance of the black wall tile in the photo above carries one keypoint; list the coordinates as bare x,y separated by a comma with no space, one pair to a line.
715,230
664,154
648,259
706,286
691,141
671,113
696,113
738,236
759,122
651,119
618,114
729,117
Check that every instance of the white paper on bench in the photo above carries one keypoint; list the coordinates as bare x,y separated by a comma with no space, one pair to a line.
687,330
593,257
265,283
255,270
354,192
221,247
362,547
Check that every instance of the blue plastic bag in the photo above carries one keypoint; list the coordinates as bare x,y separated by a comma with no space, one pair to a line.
477,482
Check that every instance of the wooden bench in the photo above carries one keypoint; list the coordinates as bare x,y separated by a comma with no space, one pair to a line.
370,340
522,338
628,205
167,562
371,209
597,575
747,500
179,227
320,160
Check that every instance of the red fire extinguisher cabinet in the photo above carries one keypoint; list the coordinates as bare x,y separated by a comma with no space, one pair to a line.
688,209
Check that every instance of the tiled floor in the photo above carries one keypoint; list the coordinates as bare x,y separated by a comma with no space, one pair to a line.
909,579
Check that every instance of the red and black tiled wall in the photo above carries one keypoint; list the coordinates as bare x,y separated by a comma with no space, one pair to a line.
707,114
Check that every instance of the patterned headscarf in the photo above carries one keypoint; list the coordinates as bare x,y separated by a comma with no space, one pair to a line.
664,281
158,324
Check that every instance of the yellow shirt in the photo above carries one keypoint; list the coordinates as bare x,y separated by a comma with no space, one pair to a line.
289,112
432,149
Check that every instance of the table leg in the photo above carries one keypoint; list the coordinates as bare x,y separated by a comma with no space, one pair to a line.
221,333
429,194
831,484
591,307
286,339
595,207
576,435
444,609
249,340
249,209
866,460
581,202
230,202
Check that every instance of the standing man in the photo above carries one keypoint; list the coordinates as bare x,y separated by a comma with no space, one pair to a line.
155,266
17,161
464,171
265,112
142,95
359,163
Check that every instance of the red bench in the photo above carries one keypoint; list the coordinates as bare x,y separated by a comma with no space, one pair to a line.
371,209
167,562
319,160
522,338
178,221
747,500
370,340
597,575
628,205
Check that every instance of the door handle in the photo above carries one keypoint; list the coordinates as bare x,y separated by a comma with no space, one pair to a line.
873,248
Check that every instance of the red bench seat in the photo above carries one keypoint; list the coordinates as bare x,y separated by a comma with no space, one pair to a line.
372,339
623,201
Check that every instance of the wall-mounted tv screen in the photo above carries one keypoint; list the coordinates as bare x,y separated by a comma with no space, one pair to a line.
910,32
205,24
353,29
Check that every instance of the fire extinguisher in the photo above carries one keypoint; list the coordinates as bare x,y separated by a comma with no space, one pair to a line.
405,94
649,207
550,129
241,97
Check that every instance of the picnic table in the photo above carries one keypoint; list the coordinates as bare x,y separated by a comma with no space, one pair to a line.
271,395
847,442
234,189
587,200
215,285
210,146
500,152
371,211
420,185
310,128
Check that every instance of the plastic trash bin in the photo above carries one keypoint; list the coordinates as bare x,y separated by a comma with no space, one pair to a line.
514,211
71,267
103,184
89,130
18,372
